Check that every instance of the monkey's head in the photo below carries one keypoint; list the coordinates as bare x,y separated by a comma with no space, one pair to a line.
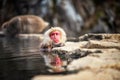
56,35
10,28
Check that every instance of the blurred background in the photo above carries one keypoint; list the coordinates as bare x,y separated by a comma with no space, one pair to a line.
22,56
76,17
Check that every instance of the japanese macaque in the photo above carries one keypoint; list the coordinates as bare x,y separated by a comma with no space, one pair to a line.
54,37
24,24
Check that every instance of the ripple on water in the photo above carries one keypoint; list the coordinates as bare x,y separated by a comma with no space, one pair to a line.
21,57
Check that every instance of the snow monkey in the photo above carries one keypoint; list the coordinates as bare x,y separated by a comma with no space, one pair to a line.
24,24
54,37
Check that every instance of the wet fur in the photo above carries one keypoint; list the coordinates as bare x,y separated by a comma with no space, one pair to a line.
24,24
48,42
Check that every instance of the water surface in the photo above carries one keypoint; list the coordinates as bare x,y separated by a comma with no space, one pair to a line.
20,59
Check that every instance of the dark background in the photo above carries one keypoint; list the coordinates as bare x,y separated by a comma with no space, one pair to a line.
76,17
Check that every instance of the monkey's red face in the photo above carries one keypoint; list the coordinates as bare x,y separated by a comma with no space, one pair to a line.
55,36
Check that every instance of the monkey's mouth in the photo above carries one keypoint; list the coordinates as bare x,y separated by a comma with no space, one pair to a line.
56,41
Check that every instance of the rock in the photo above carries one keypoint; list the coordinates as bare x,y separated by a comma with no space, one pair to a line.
74,50
105,37
108,74
94,57
102,44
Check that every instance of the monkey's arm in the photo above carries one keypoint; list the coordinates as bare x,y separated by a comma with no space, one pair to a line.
46,46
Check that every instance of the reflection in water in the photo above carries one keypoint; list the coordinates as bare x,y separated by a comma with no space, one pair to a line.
20,59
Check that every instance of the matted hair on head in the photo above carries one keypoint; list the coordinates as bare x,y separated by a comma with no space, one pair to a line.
63,34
